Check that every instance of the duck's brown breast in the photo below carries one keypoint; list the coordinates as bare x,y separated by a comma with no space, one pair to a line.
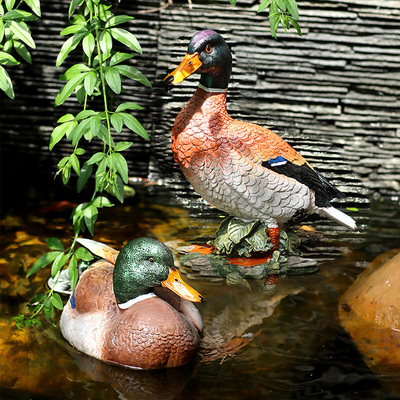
150,334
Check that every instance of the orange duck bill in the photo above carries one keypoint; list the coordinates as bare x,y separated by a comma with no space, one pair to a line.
175,283
190,63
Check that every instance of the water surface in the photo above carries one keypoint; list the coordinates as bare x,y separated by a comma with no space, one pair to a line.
281,341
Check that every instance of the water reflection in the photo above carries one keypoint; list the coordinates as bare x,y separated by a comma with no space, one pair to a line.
132,384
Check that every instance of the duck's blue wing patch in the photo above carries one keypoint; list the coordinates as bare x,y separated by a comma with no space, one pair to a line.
276,162
72,300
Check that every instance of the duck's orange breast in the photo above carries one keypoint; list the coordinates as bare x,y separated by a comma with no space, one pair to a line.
199,130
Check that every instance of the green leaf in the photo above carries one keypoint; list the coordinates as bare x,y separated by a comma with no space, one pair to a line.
282,4
132,73
355,209
5,83
79,131
67,89
86,173
104,135
76,69
73,272
132,123
121,146
34,5
56,301
22,50
73,4
7,59
118,189
2,29
102,201
66,174
69,133
274,17
126,38
238,229
59,132
69,45
90,217
79,151
90,82
58,263
117,122
72,29
88,44
20,16
96,158
295,25
22,33
85,113
128,106
292,8
118,58
43,262
66,118
80,93
48,309
55,244
117,20
75,163
63,162
10,4
105,42
285,22
120,165
83,254
113,79
264,5
95,124
233,2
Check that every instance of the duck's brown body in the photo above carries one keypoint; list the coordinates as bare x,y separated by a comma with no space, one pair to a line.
222,158
149,334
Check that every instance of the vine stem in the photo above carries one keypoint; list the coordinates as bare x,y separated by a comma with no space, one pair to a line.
103,84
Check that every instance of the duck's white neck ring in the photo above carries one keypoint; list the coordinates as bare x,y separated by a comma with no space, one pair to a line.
131,302
212,90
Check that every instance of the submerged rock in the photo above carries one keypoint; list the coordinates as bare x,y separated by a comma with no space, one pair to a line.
370,311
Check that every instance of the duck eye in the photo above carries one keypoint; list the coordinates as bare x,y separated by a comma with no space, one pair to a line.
151,259
208,48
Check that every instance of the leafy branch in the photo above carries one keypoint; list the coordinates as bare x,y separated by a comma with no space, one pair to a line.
15,35
100,74
283,12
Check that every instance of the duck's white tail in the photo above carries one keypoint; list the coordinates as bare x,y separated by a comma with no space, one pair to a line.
338,216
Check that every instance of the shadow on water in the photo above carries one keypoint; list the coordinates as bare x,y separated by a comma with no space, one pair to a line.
279,341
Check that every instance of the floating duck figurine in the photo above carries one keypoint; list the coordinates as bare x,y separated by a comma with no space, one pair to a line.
124,313
241,168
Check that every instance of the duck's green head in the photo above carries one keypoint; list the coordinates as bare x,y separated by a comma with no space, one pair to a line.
209,55
144,264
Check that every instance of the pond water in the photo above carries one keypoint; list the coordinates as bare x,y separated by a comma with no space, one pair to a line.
280,341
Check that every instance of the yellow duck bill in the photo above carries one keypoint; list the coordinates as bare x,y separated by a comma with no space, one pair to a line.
175,283
190,63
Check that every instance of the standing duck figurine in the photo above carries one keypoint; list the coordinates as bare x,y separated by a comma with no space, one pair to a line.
244,169
124,313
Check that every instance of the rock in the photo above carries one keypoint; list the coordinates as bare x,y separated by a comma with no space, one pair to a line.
370,311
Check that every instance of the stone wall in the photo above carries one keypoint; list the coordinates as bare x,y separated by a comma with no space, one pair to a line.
333,93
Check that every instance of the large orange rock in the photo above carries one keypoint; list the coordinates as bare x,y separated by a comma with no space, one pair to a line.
370,311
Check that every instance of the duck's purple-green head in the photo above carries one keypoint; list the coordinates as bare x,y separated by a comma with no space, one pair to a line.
209,55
